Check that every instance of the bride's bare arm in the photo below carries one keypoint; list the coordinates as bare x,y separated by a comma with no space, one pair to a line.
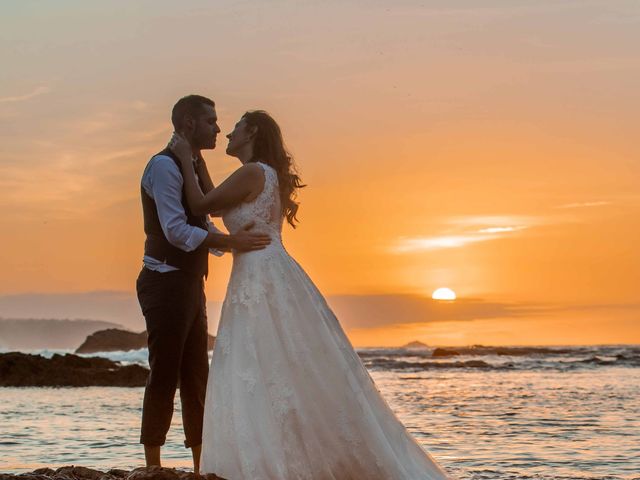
203,174
205,181
241,185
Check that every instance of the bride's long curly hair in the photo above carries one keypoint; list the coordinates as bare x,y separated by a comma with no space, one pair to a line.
268,147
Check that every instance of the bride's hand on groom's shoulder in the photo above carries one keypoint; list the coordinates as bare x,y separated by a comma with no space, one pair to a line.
181,148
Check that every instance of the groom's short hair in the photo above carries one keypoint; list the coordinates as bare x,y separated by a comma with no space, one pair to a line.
189,105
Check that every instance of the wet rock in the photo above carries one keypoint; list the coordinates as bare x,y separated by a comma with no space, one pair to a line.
25,370
44,471
476,364
83,473
74,473
116,472
441,352
160,473
114,339
153,473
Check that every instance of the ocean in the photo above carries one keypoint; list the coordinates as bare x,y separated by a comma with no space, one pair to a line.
485,414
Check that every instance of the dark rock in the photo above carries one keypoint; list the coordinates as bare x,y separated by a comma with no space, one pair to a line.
153,473
513,351
441,352
84,473
114,339
74,472
44,471
415,344
24,370
116,472
160,473
476,364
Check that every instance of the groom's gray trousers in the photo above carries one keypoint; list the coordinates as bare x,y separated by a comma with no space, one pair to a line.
173,305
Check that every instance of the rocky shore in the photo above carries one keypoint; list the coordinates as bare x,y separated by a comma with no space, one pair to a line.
115,339
26,370
83,473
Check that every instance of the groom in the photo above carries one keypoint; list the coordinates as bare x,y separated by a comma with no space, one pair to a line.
170,286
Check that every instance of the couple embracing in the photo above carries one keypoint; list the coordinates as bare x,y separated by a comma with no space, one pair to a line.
286,397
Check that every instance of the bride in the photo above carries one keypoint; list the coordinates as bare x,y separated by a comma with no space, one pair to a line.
288,397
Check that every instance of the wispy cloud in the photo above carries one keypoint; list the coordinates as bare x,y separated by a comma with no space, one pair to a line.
501,229
475,229
415,244
584,204
493,220
21,98
92,161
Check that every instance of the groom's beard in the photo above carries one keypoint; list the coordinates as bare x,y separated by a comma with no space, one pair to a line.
203,141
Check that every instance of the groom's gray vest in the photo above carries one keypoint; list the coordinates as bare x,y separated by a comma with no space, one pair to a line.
157,246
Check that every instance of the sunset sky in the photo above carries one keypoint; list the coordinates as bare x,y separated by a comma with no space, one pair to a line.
486,146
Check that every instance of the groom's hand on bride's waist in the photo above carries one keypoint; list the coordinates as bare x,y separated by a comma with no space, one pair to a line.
245,240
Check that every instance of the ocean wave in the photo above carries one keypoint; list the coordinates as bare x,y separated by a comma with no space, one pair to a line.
481,350
489,474
388,364
474,357
129,357
399,364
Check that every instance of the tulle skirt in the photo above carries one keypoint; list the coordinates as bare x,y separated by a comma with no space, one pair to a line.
288,398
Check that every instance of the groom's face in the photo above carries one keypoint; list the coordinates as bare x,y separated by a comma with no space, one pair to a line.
206,129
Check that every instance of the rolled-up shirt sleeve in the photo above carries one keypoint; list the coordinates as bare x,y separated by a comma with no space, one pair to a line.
165,186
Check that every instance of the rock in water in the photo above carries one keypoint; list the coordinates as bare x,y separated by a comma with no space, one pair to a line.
25,370
114,339
415,344
441,352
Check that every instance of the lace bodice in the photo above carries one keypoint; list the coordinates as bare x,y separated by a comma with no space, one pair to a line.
264,210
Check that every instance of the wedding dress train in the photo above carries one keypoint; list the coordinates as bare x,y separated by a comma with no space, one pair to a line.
288,398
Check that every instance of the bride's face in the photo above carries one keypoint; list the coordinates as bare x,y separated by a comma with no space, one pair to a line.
241,137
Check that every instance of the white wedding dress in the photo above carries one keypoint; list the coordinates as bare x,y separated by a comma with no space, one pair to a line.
288,397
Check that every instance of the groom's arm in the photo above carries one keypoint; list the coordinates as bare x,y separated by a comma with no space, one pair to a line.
218,252
164,185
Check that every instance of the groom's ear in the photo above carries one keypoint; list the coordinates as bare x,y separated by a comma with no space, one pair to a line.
188,123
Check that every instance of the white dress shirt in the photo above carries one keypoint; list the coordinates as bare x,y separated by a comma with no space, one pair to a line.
163,182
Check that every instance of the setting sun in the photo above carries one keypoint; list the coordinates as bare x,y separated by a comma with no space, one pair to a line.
443,294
